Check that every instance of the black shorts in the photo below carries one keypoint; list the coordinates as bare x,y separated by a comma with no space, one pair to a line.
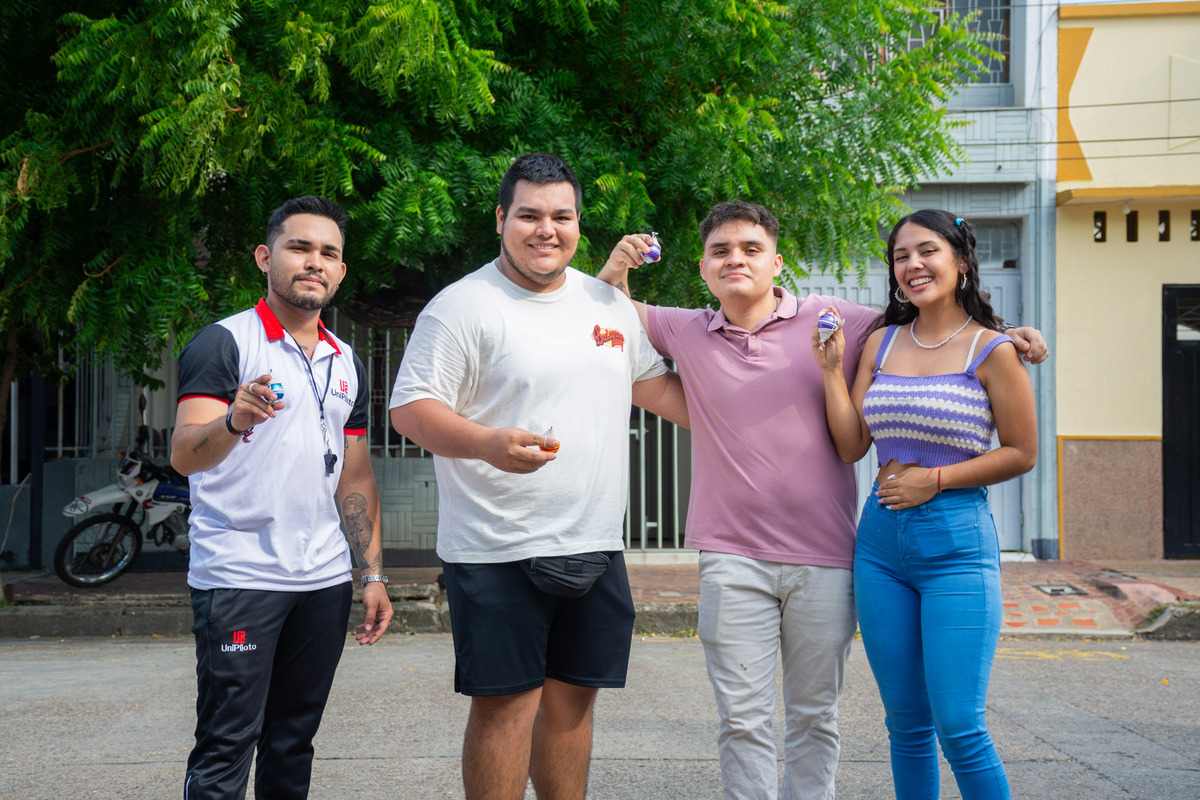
509,636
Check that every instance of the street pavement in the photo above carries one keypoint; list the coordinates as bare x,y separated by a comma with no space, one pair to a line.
112,718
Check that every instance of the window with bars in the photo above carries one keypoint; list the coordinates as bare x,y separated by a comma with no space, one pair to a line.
997,242
1187,324
993,17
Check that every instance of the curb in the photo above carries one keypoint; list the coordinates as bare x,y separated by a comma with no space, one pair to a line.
53,622
1177,622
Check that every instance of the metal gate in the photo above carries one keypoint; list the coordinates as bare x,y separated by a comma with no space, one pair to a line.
659,452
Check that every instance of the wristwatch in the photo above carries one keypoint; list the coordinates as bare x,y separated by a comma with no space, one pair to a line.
365,579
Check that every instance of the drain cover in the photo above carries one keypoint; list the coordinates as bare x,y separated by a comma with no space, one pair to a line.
1058,589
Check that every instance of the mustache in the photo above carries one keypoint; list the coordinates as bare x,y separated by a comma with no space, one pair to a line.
306,277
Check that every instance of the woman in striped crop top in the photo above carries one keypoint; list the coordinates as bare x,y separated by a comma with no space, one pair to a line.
932,388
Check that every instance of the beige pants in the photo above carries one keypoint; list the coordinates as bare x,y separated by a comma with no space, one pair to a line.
752,613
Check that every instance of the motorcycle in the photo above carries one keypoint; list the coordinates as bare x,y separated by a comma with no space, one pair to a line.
147,501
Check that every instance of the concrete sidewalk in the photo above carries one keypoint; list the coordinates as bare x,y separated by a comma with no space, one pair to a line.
1041,598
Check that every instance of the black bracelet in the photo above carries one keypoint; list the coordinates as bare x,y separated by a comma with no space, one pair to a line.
229,423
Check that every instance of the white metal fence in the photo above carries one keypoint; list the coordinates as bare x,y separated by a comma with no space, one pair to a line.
96,414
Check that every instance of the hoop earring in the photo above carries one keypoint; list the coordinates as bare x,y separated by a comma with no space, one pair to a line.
900,298
962,285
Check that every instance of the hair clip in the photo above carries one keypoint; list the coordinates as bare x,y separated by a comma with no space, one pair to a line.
958,221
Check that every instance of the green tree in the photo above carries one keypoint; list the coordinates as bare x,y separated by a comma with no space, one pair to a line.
147,141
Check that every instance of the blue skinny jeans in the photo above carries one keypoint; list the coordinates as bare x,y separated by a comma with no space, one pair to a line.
927,588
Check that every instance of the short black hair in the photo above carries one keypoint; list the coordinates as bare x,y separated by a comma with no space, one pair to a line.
538,168
308,204
733,210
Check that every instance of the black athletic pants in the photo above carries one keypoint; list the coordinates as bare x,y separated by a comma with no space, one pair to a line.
264,667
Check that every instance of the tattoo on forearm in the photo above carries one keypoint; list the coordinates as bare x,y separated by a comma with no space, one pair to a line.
200,445
359,526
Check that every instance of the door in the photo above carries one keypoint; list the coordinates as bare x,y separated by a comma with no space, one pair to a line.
1181,421
1005,288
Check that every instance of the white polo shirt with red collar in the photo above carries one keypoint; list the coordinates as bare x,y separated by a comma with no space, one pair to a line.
265,517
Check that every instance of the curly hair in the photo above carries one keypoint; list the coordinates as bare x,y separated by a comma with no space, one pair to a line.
960,235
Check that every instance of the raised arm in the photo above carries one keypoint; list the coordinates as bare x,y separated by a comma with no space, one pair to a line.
843,406
358,503
628,254
215,408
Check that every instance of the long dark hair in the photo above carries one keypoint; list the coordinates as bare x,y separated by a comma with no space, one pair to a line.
960,235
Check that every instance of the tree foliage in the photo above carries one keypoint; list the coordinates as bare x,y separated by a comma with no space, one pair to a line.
148,141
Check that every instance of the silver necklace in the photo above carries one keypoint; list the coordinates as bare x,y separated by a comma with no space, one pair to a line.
912,331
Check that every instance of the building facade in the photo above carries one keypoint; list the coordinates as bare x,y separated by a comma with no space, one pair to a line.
1005,187
1128,274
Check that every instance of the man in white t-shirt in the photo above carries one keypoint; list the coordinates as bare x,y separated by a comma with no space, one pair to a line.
531,534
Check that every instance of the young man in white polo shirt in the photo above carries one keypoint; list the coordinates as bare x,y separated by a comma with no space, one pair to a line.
271,429
531,535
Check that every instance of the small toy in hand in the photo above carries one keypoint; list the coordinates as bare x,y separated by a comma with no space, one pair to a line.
827,325
277,388
549,443
655,251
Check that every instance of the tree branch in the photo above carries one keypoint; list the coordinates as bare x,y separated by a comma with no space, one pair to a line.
67,156
106,270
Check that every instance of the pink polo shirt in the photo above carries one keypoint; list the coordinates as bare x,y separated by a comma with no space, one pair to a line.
767,482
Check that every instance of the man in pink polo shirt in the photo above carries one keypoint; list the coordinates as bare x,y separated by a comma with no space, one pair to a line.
772,507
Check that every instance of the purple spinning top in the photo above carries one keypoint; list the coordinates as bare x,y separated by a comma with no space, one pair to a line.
655,251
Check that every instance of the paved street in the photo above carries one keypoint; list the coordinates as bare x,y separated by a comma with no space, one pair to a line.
112,718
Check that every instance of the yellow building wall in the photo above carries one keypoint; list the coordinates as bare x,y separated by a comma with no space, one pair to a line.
1130,59
1109,309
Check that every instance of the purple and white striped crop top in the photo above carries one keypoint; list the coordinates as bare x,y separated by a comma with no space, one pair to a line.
930,420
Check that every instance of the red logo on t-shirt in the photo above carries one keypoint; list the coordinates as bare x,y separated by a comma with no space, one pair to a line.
239,637
608,336
343,386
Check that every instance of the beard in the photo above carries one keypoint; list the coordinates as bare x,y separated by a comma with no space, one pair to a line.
539,278
302,300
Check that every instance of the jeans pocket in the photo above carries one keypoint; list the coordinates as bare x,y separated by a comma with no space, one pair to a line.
945,534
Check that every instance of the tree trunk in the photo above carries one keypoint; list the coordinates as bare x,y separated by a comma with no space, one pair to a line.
6,376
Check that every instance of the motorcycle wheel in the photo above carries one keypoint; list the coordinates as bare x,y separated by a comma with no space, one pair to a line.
97,550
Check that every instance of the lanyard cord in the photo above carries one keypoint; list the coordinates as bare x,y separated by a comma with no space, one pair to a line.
312,382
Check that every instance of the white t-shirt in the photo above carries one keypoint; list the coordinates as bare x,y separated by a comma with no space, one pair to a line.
503,356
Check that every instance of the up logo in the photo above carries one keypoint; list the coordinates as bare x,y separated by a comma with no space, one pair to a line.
342,391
